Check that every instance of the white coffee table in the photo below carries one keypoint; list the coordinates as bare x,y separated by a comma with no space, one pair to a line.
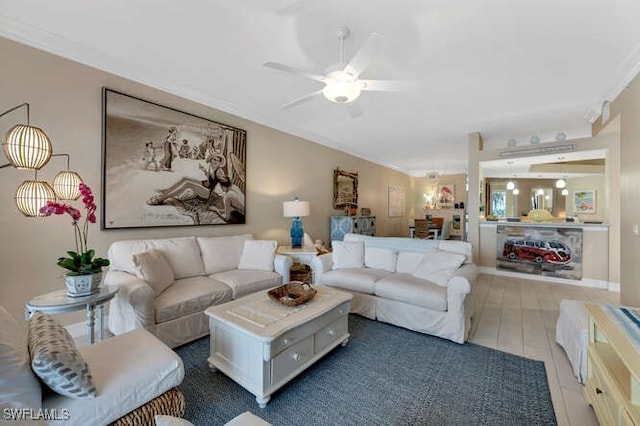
262,345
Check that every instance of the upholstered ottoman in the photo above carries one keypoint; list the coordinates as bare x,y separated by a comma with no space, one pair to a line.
572,333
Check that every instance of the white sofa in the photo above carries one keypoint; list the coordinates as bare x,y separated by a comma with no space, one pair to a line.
422,285
168,297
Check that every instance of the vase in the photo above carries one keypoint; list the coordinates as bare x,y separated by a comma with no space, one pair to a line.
83,285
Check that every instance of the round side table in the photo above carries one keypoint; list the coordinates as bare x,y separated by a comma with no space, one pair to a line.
59,301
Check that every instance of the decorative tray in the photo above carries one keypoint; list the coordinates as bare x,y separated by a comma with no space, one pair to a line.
293,293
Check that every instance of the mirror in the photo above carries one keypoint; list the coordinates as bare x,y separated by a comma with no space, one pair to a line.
345,189
532,194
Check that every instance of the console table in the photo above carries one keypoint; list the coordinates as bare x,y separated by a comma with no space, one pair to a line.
613,384
59,301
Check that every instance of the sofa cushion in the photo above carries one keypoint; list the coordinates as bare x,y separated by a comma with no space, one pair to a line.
415,291
380,258
258,254
188,296
221,253
347,254
362,280
56,360
245,281
20,386
152,267
408,262
129,370
461,247
438,266
182,253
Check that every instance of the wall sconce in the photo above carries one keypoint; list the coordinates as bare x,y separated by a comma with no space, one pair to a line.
296,209
28,147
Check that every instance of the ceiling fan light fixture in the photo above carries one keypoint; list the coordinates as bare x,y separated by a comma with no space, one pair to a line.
342,87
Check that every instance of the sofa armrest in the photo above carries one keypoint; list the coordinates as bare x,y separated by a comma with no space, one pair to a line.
321,264
132,307
459,286
282,265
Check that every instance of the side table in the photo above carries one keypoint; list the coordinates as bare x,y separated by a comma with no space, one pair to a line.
59,301
302,255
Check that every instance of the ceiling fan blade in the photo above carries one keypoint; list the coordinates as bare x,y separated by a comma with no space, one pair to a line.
391,85
363,57
301,100
287,68
355,109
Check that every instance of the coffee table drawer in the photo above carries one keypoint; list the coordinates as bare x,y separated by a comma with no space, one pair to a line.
291,337
290,359
334,331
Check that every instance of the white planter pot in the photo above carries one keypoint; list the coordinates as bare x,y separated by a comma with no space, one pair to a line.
83,285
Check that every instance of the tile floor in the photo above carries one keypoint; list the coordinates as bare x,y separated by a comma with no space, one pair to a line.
519,316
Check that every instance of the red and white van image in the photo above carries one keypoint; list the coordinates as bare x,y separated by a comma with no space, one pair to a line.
535,250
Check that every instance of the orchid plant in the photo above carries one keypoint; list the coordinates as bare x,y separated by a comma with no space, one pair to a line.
81,261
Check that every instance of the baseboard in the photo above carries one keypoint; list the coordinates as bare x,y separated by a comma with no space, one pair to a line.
585,282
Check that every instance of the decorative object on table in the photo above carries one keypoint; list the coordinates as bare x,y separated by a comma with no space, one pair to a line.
199,165
85,269
321,247
296,209
584,201
396,201
293,293
539,215
28,147
365,211
345,189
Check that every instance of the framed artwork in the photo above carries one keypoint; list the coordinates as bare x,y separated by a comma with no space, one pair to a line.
584,201
446,195
548,251
396,201
164,167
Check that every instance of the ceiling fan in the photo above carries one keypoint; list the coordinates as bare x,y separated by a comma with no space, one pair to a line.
342,84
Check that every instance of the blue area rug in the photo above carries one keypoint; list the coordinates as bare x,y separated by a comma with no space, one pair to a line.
386,375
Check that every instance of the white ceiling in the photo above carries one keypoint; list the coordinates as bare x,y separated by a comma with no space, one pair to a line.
508,69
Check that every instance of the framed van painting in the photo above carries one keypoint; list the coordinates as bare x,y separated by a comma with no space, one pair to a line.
584,201
164,167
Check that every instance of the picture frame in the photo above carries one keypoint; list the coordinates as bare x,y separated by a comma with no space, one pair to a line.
446,195
165,167
584,201
396,201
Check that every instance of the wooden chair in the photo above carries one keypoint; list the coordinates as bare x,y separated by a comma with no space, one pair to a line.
422,229
438,222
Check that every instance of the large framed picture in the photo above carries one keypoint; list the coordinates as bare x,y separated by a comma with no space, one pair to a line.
446,195
584,201
164,167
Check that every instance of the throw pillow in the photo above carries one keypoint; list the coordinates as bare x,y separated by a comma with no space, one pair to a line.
408,262
20,387
380,258
258,254
221,254
56,360
438,266
347,254
152,267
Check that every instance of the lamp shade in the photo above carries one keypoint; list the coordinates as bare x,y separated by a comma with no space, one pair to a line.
561,183
31,195
66,185
27,147
296,208
510,185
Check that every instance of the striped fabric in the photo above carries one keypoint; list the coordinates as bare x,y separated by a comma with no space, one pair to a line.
629,321
56,360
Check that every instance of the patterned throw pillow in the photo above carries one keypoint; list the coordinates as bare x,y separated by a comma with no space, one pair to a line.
56,360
